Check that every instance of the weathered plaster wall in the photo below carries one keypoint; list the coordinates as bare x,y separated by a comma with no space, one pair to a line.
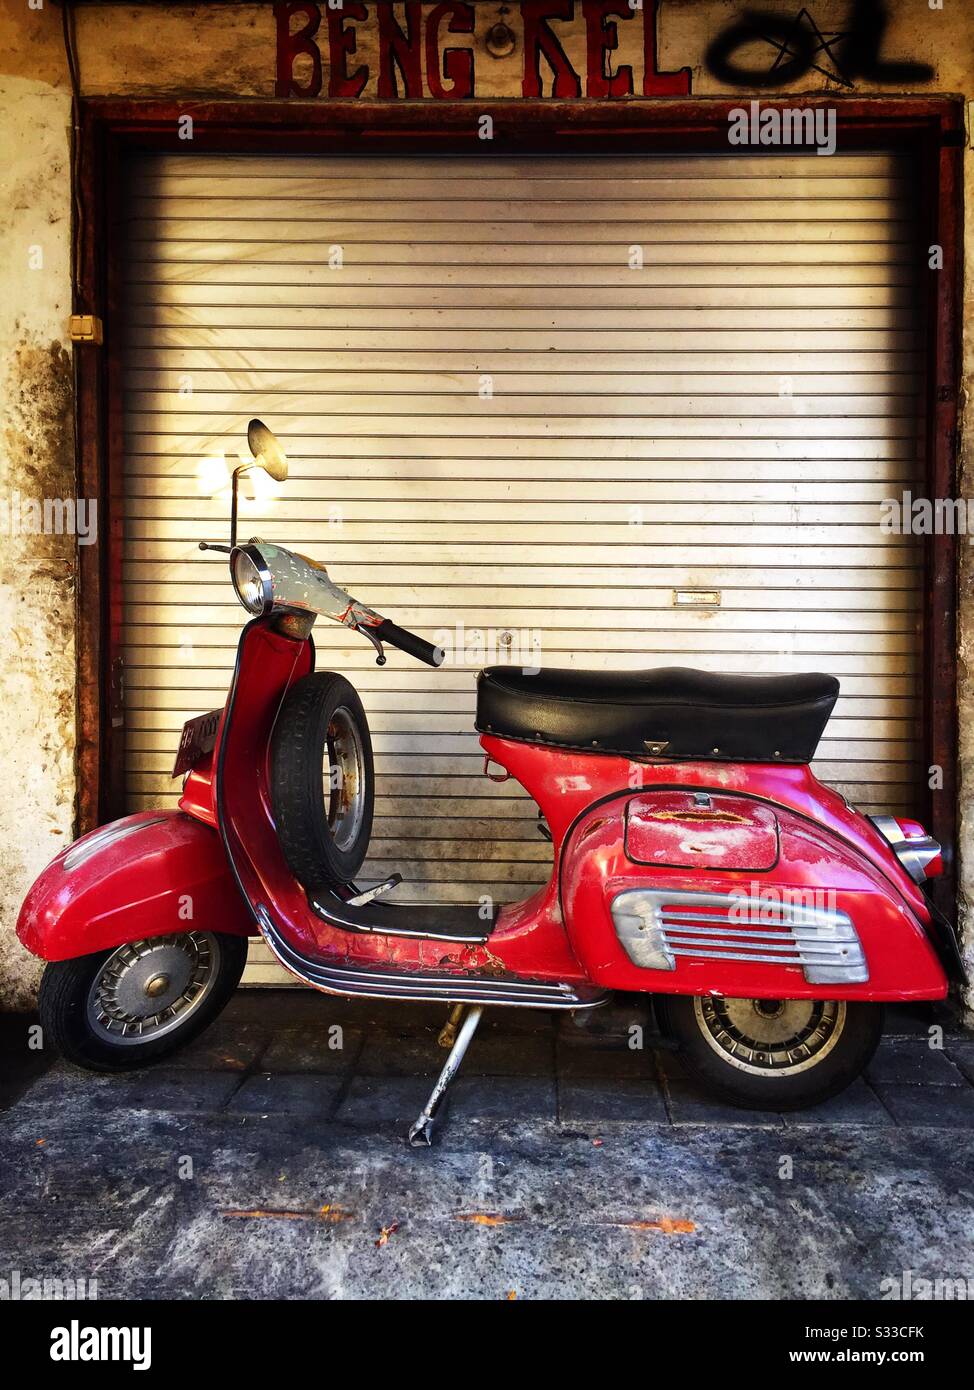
37,591
228,50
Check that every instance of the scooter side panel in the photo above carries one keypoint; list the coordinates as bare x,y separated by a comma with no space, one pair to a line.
814,866
565,784
146,875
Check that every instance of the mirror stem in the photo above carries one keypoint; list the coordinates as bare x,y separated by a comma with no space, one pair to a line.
234,488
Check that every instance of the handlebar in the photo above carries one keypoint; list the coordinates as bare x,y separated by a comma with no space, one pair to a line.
408,642
267,576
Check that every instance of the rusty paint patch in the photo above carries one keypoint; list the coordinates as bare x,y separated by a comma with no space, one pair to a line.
329,1214
474,960
668,1225
485,1218
591,828
730,817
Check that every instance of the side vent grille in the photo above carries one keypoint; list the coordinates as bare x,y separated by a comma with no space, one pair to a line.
656,927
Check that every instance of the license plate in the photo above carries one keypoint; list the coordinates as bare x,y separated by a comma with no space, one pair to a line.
199,738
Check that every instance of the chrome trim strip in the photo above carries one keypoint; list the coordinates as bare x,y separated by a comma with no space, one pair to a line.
82,851
380,984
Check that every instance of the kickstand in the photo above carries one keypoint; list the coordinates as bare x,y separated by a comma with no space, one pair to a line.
422,1131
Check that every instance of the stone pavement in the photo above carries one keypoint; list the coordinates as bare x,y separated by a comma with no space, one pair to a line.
267,1160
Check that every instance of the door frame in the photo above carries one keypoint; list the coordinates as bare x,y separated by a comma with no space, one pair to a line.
932,128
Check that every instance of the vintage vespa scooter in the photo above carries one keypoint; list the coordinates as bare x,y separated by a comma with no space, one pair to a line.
695,859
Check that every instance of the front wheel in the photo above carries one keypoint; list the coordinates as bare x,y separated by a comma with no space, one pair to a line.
772,1054
125,1008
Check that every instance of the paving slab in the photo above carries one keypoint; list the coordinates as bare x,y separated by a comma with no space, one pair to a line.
943,1107
589,1102
609,1058
857,1105
912,1063
402,1054
503,1097
384,1102
325,1046
229,1044
961,1053
162,1088
690,1106
23,1060
280,1094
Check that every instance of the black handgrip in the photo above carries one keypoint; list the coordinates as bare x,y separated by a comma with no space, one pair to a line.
409,642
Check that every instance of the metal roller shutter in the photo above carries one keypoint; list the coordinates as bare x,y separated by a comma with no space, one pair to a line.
727,418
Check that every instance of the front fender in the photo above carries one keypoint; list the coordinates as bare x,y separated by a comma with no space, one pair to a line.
146,875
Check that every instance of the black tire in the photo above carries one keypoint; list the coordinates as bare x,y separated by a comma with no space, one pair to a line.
838,1057
323,843
66,986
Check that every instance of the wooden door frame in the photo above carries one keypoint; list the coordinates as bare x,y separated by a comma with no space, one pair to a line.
932,128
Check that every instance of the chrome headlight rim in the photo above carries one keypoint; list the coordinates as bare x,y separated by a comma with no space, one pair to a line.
265,602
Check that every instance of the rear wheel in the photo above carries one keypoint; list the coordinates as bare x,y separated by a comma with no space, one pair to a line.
128,1007
772,1054
322,781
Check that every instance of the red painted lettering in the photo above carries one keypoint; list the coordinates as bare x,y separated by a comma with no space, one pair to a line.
540,41
659,84
402,50
601,39
342,42
290,46
457,62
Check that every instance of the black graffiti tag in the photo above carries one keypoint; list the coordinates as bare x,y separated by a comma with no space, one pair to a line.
798,42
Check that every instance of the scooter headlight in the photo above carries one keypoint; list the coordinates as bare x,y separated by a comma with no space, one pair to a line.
251,579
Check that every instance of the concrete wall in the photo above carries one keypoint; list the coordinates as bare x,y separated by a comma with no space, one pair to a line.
224,50
37,581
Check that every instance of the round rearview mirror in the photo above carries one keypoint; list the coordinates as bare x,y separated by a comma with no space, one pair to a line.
266,449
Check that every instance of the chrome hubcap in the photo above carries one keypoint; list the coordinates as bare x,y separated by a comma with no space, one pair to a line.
783,1036
146,989
344,780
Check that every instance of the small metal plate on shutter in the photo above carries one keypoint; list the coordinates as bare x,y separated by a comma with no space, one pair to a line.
694,830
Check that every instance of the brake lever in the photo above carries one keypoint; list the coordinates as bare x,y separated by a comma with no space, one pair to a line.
367,632
209,545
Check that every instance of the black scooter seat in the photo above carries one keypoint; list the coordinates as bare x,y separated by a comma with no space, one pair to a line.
671,712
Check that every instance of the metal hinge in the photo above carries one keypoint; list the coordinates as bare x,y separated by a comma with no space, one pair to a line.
86,328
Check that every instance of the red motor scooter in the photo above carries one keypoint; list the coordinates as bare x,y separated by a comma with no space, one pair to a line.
696,859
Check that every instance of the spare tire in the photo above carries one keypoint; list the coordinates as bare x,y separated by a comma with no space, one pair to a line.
322,781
